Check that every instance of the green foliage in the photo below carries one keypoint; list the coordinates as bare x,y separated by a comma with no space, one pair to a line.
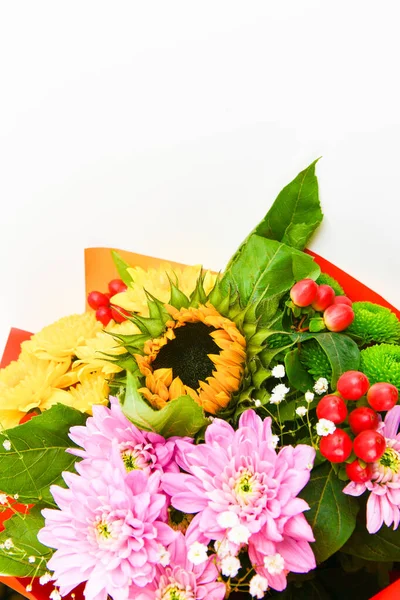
294,216
122,267
23,530
374,323
297,375
325,279
181,416
38,454
382,363
265,269
315,361
382,546
342,352
332,514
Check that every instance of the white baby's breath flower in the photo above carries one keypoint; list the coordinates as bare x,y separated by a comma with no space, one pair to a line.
275,440
227,519
276,398
274,564
32,559
55,595
258,586
45,578
164,556
321,386
278,372
239,534
257,403
325,427
281,389
3,499
8,544
7,445
16,496
29,587
309,396
197,553
301,411
230,566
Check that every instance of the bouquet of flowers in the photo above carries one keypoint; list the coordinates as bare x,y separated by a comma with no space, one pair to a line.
197,435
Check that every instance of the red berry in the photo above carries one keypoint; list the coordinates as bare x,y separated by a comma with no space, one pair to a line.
103,314
338,317
358,473
362,419
369,445
336,447
332,408
324,298
117,316
97,299
116,286
303,292
352,385
382,396
342,300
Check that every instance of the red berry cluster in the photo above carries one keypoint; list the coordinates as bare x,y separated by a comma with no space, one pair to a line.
337,310
368,444
100,302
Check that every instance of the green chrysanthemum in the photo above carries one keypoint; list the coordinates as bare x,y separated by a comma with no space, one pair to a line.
328,280
315,361
381,363
374,323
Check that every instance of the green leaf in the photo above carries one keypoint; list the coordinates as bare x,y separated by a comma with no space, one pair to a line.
382,546
266,268
317,324
38,454
332,514
181,416
23,530
342,353
295,214
122,267
298,377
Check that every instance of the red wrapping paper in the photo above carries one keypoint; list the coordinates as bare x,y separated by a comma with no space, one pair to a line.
99,269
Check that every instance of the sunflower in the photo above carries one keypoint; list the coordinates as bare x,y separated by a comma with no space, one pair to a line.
201,354
157,283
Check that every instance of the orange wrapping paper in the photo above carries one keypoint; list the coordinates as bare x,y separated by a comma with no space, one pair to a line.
99,270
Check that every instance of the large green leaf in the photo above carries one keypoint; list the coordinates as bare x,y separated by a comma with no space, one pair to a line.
23,530
266,269
342,353
382,546
295,214
38,454
332,514
298,377
181,416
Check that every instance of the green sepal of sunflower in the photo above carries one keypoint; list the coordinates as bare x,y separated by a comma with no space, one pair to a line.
177,299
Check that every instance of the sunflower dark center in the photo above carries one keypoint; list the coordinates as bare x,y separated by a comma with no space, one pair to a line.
187,356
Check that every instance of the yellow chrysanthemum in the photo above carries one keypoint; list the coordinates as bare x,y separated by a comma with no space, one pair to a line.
26,384
156,282
91,355
92,390
61,340
201,354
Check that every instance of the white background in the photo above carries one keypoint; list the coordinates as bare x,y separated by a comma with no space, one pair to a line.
168,128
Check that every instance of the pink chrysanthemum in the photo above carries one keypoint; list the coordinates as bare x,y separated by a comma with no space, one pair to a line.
182,580
245,493
383,505
108,532
109,430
